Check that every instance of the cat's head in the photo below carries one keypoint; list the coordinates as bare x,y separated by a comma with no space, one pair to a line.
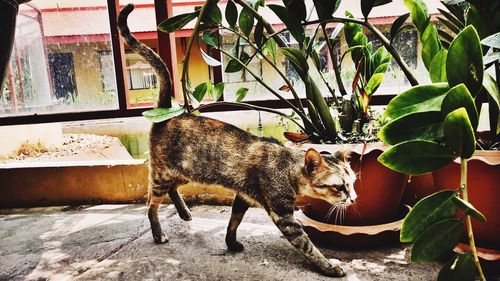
328,177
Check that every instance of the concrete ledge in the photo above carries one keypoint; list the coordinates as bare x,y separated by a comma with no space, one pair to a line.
81,182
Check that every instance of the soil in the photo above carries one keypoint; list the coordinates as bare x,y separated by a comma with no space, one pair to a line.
72,145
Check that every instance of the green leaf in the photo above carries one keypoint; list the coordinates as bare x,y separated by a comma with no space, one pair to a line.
437,241
428,211
373,83
452,18
491,57
201,90
208,59
416,157
214,12
297,7
437,69
449,24
246,21
418,125
218,91
176,22
240,94
258,34
271,48
233,66
430,45
458,97
291,22
459,268
419,14
231,13
464,63
459,134
475,18
297,58
379,57
325,8
160,114
315,59
367,5
313,113
211,38
381,68
417,99
468,209
491,87
492,41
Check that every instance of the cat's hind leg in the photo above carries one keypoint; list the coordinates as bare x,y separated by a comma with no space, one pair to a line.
240,206
179,203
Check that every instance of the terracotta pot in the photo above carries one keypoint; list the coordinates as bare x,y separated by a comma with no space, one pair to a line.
484,192
340,236
417,188
490,259
379,189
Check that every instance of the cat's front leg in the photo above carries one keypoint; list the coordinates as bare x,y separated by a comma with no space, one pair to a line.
298,238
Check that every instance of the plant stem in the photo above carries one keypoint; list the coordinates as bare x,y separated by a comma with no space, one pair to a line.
302,115
273,65
470,234
185,64
335,62
253,107
387,44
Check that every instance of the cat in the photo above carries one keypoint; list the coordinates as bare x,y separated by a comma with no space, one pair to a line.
260,170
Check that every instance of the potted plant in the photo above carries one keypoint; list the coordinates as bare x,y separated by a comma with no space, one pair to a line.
431,126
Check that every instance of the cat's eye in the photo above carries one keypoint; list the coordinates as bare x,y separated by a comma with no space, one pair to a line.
340,188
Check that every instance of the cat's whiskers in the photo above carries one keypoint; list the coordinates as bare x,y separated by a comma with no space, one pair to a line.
330,212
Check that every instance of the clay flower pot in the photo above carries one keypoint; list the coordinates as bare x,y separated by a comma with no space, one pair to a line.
417,188
341,236
483,190
379,189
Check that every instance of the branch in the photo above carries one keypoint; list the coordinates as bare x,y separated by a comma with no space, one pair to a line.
185,64
342,90
293,107
280,73
470,234
253,107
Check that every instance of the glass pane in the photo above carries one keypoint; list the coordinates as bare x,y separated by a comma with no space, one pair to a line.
62,60
141,78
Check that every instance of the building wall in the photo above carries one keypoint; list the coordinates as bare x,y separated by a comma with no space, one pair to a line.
87,66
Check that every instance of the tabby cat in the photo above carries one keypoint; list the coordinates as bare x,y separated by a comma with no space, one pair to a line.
260,170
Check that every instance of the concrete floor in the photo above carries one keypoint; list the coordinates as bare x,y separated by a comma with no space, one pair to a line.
108,242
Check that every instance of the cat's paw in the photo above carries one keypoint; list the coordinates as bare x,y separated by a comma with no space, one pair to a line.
185,216
160,239
334,271
235,246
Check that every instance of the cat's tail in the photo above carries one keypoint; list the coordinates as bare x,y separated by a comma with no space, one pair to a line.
159,66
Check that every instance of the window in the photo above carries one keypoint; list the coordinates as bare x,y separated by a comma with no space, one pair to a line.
62,60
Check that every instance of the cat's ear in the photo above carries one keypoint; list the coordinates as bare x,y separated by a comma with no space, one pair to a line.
343,155
312,160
